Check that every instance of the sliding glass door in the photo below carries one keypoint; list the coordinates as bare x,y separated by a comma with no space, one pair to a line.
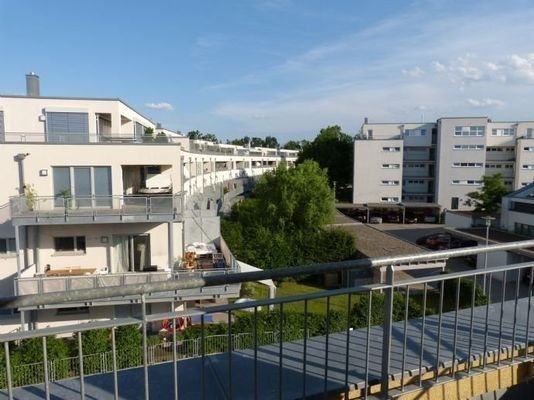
81,187
131,253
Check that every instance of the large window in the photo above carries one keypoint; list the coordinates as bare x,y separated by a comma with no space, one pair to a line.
503,132
469,131
82,186
391,166
67,127
468,147
2,127
524,229
7,246
69,244
467,165
414,132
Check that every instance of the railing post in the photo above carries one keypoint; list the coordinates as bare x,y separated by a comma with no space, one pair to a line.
386,339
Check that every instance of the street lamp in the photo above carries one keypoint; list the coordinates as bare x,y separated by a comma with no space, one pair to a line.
487,219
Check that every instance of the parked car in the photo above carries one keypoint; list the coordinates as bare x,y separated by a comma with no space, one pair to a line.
375,220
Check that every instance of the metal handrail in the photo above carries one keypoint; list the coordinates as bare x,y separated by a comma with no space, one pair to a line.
242,277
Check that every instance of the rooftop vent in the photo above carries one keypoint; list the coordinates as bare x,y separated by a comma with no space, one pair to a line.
32,85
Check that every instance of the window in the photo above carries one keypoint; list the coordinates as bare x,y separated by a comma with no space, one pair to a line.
416,181
528,166
2,126
524,229
391,149
153,169
7,246
528,148
414,165
414,132
503,132
369,133
468,147
390,183
508,182
530,132
390,199
469,182
67,127
84,186
391,166
469,131
454,203
467,165
69,244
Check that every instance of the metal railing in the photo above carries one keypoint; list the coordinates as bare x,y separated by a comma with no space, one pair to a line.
50,284
391,334
101,363
95,206
83,138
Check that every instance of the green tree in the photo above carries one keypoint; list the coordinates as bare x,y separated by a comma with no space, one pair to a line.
293,145
487,200
283,223
333,150
298,197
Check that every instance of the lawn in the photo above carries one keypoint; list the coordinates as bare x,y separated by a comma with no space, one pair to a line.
289,288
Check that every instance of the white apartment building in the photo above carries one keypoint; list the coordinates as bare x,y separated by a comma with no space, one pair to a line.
439,162
517,211
91,200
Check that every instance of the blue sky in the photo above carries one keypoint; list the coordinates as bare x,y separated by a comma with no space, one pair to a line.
278,67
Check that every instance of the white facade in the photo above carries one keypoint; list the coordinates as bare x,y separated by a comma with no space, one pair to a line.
90,199
443,161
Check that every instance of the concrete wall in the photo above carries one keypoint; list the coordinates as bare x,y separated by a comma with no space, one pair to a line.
369,157
24,114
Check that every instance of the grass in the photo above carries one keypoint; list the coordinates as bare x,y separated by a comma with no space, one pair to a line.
290,288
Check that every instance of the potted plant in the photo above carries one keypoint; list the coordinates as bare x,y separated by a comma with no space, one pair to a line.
30,195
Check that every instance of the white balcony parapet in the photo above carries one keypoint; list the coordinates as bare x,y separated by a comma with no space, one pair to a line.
56,209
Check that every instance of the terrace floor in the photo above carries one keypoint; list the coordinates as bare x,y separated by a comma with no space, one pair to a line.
324,369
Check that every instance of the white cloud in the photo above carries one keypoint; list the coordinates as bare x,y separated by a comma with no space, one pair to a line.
414,72
160,106
343,80
522,67
486,102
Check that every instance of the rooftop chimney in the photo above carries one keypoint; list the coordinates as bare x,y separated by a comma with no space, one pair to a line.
32,85
366,120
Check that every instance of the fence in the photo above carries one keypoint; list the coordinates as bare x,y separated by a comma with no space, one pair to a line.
31,374
395,344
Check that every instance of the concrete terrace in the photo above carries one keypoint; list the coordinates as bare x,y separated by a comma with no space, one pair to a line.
320,362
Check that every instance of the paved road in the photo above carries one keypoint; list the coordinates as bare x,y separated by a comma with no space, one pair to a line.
325,366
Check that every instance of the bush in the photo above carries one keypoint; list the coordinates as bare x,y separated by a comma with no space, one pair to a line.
359,312
129,341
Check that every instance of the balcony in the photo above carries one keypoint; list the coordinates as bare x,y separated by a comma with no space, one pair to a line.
85,138
50,210
454,347
50,284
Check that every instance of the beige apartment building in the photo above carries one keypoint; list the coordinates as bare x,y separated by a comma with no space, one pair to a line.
92,199
439,163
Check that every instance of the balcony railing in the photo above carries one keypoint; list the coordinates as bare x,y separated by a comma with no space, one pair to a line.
81,138
391,348
96,208
49,284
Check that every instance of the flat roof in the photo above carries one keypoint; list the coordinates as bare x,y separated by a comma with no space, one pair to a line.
20,96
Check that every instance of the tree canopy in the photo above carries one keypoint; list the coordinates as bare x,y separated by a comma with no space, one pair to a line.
197,135
283,223
269,141
487,200
333,150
